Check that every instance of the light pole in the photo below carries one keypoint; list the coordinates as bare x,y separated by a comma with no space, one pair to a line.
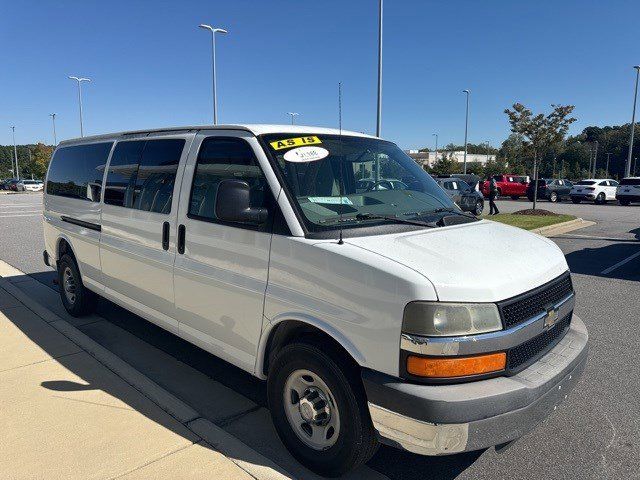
379,110
15,152
608,156
293,114
80,80
466,129
487,151
213,31
436,135
633,123
53,119
595,158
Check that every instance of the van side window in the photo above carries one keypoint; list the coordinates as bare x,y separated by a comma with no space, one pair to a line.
142,174
76,172
221,159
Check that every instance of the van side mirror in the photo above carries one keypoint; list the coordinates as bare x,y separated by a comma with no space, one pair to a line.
233,203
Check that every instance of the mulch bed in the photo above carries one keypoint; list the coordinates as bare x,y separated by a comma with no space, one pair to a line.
537,212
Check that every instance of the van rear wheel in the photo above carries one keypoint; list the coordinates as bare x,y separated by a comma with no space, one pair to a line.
76,298
319,409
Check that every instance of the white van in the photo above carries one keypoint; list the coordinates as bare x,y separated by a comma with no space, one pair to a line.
378,315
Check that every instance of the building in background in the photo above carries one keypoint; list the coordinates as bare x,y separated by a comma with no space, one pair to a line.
429,158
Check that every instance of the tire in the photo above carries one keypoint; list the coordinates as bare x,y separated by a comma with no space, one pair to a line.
514,197
76,298
553,198
479,208
601,199
575,200
624,203
530,198
336,385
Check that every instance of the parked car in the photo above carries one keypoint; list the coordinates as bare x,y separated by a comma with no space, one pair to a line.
462,194
370,184
628,191
598,190
471,179
552,189
33,185
509,185
4,184
16,185
380,316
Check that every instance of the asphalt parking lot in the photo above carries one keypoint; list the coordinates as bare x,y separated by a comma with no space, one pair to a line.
593,434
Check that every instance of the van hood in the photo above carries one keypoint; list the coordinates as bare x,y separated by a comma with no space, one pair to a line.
476,262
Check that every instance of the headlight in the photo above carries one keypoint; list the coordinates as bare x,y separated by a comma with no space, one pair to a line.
435,319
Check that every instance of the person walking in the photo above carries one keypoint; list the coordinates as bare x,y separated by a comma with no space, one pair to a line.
493,193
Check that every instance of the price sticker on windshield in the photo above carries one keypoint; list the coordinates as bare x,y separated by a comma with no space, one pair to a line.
295,142
306,154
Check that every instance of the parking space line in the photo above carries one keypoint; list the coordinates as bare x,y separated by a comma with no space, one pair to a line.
22,215
619,264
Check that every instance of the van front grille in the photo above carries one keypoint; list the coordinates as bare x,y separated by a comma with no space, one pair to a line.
523,307
528,352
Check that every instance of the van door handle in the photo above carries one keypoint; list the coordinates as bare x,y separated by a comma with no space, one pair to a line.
165,236
181,234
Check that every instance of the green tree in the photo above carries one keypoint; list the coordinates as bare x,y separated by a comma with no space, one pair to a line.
540,133
445,165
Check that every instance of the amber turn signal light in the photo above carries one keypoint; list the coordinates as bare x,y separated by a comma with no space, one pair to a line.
450,367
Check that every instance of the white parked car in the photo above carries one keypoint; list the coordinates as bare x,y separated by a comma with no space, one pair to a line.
628,191
597,190
369,313
33,185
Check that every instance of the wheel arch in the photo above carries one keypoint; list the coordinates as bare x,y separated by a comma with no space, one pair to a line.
285,328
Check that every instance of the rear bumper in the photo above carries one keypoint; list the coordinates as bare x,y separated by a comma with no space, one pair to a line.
447,419
583,196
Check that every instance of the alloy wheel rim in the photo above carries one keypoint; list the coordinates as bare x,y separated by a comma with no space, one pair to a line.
311,410
69,285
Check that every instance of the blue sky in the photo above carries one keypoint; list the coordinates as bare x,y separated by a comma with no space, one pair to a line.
150,64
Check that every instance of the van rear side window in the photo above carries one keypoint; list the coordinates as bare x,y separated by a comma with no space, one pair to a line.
76,172
142,174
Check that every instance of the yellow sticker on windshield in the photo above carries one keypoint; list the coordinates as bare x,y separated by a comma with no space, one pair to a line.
294,142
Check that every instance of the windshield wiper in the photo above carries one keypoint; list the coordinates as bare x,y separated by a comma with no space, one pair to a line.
453,210
371,216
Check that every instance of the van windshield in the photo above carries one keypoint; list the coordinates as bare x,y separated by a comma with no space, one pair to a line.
352,181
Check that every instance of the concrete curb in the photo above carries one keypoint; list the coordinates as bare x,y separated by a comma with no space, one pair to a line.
563,227
251,461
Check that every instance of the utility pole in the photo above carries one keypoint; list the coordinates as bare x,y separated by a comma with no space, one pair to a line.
53,119
213,31
633,124
15,152
80,80
466,130
608,157
379,110
595,159
435,135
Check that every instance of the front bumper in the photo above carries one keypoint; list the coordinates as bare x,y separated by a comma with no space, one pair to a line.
447,419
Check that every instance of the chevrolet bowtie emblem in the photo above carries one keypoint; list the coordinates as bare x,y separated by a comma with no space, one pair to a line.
551,317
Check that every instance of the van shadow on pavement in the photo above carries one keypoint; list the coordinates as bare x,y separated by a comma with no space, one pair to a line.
593,261
388,461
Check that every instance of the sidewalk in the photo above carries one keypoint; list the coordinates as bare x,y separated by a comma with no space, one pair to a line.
66,415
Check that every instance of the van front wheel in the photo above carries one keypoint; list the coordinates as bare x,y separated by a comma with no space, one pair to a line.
318,407
76,298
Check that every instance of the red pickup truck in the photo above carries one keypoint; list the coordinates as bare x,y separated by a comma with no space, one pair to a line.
514,186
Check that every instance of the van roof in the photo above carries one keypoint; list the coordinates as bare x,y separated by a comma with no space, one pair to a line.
256,129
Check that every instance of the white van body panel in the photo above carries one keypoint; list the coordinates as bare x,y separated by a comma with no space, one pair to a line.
474,262
221,278
134,265
355,295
